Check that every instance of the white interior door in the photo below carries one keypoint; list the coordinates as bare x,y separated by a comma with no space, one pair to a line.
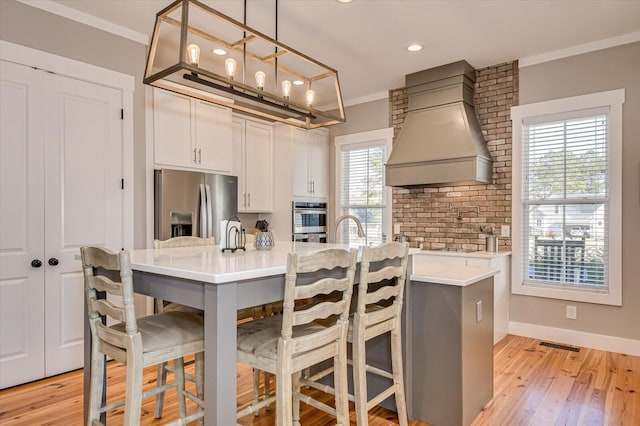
83,201
21,225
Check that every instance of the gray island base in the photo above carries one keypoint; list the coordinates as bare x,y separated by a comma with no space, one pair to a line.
449,348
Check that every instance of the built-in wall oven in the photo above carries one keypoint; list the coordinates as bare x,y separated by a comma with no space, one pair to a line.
309,221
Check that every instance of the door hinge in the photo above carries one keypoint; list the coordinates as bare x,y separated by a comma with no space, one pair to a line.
122,183
122,114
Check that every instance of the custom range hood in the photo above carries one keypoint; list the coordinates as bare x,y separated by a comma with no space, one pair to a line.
440,142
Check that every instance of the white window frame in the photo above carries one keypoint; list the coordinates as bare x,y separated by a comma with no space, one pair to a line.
364,139
614,100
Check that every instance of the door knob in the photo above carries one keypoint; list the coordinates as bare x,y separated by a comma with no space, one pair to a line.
36,263
53,261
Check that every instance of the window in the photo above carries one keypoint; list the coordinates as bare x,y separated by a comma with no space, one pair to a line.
567,198
361,189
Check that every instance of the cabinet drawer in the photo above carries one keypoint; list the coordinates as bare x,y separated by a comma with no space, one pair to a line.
478,262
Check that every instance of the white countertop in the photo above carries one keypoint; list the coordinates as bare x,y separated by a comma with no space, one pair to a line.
439,273
209,264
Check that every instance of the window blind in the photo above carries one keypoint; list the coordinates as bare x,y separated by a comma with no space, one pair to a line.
565,200
362,192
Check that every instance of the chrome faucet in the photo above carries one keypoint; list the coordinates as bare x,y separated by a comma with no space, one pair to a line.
348,216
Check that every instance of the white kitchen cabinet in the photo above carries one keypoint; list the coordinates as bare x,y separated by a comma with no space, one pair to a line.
311,163
501,282
191,133
61,156
253,164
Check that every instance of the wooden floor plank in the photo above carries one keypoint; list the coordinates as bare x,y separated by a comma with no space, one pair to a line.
533,385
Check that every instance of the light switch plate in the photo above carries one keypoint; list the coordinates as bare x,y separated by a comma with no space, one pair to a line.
396,228
505,230
479,311
572,312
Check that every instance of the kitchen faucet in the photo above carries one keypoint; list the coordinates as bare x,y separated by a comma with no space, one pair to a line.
348,216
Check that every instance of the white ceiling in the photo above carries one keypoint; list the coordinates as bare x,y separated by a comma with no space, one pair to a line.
365,40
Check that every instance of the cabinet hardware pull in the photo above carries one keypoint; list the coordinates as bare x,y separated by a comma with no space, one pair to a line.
53,261
36,263
194,155
245,199
200,155
249,199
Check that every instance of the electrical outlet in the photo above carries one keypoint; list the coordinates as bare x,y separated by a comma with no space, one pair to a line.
396,228
505,230
479,311
572,312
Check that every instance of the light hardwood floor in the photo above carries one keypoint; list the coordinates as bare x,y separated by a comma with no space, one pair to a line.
533,385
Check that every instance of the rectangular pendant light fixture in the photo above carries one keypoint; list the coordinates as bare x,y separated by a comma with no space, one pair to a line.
199,52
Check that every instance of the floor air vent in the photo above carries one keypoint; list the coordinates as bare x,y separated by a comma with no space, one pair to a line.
556,346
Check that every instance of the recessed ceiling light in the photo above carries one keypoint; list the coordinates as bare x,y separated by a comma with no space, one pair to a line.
344,1
415,47
298,82
219,51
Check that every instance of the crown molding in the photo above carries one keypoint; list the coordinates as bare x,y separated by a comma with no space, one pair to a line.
579,49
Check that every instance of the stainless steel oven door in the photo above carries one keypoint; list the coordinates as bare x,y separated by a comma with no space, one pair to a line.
309,218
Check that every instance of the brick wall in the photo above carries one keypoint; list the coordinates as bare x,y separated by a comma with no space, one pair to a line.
424,212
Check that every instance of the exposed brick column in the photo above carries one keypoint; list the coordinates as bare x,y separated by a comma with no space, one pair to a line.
424,212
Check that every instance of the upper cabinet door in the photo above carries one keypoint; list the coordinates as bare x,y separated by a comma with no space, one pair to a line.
311,163
191,133
259,166
301,178
213,137
253,163
172,129
319,164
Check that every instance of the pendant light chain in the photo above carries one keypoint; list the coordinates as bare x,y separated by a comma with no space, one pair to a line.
244,44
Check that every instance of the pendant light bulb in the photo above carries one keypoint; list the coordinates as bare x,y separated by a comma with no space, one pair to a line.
286,89
193,54
310,96
230,67
260,80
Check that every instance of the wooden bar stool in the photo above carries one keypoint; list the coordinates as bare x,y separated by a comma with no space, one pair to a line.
287,344
135,342
380,293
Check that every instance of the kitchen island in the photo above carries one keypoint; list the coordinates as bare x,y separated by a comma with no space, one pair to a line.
449,341
221,283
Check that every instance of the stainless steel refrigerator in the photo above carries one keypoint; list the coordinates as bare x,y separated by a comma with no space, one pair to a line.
193,203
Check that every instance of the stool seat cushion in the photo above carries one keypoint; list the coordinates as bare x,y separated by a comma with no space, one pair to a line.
167,330
260,337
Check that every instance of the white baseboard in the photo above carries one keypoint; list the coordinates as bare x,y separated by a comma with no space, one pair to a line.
577,338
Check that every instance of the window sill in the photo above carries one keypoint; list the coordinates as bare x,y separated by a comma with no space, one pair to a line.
550,292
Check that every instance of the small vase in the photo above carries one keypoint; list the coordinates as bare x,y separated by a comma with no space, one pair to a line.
264,241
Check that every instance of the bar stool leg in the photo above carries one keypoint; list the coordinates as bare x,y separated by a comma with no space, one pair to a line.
398,380
360,380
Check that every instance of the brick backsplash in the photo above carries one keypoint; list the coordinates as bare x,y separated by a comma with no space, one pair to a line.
425,212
